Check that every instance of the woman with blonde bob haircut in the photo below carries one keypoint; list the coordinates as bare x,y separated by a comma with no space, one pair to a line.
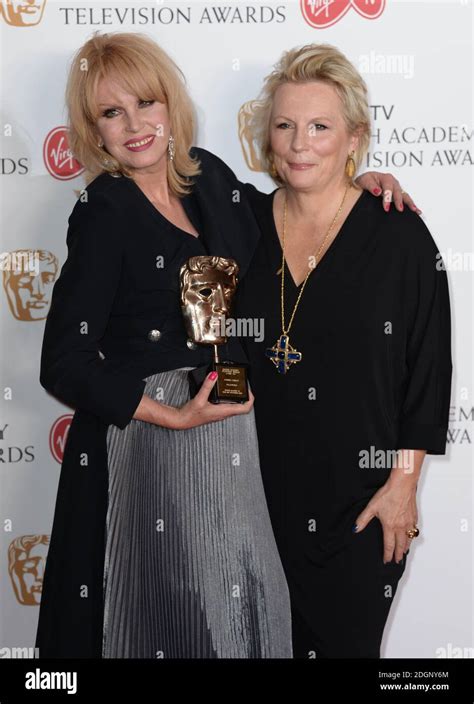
161,544
352,378
321,62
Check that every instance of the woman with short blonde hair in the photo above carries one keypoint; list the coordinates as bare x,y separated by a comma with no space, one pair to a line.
355,366
313,62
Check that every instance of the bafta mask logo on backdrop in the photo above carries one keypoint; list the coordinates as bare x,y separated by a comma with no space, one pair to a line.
22,13
324,13
58,436
28,279
246,142
26,562
57,156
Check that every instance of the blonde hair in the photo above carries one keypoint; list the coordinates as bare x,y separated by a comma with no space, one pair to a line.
313,62
144,70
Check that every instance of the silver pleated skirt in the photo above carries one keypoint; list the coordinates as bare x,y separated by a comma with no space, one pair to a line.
191,564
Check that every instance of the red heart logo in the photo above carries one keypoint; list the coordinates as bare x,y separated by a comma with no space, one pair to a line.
370,9
323,13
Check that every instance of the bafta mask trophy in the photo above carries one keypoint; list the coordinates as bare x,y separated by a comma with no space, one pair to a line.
208,285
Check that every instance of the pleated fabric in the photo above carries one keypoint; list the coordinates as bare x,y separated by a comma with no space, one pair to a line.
191,566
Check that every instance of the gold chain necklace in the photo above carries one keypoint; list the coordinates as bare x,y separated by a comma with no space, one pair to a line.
282,354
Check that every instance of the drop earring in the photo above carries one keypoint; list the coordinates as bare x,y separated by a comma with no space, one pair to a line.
350,166
272,170
171,148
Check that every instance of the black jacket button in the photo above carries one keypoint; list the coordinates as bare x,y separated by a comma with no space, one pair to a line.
154,335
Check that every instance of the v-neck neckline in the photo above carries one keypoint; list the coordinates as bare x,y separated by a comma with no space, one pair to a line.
159,215
330,250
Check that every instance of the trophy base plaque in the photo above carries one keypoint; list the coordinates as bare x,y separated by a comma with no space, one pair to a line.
231,385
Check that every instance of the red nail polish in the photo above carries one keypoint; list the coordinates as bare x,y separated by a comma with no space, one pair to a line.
212,376
377,191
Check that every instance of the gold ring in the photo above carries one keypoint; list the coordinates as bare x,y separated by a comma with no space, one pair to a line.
413,532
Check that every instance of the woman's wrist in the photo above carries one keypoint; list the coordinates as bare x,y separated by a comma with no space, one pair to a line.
401,477
151,411
407,469
167,416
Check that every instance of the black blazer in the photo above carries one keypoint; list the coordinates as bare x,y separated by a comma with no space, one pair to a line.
120,282
107,299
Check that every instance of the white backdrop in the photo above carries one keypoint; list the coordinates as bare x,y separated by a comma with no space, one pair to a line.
417,60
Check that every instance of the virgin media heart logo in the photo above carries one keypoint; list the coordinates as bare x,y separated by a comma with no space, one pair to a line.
323,13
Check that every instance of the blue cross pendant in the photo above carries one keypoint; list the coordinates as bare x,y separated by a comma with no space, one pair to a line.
283,355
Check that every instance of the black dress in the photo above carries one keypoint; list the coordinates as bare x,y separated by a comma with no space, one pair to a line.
373,327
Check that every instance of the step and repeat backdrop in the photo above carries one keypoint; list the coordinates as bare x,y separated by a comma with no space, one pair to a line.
416,58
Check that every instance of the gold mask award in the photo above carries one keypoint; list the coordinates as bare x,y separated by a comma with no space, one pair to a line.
208,286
